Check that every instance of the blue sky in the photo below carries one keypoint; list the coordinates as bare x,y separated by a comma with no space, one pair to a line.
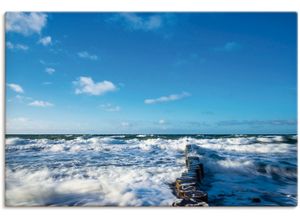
151,72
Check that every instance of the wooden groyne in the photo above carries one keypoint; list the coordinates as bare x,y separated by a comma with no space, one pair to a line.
188,186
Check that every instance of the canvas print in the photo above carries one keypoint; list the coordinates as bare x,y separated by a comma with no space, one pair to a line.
150,109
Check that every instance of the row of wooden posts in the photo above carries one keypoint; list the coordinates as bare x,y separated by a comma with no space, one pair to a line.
188,186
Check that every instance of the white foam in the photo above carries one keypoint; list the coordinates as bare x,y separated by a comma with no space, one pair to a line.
121,186
165,144
57,147
12,141
97,185
243,145
237,144
271,139
240,164
141,135
146,183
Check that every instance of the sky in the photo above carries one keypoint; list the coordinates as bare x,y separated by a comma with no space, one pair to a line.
163,73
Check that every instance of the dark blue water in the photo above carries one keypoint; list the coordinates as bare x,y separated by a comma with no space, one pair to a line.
139,170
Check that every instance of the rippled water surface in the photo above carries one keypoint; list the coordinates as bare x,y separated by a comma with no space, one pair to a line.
139,170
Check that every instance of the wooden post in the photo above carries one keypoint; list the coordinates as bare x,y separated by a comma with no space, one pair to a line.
200,172
186,153
187,186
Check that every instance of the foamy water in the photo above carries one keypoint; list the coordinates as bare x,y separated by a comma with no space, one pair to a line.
139,170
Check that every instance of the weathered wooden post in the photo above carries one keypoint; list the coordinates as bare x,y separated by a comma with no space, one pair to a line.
200,172
186,153
188,185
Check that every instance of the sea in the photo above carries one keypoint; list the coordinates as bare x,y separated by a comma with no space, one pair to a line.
140,170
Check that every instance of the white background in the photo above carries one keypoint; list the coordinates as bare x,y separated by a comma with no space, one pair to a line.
83,213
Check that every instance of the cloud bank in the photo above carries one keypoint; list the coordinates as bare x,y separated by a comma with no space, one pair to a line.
257,122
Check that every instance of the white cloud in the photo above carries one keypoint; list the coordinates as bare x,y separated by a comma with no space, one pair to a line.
18,122
20,119
15,87
21,47
88,86
40,104
229,46
111,108
45,41
12,46
25,23
125,124
19,97
169,98
42,62
22,98
161,122
189,59
86,55
49,70
46,63
137,22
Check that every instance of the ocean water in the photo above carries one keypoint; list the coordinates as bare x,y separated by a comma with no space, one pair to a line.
140,170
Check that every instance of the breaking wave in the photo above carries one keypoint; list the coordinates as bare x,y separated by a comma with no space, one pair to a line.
139,170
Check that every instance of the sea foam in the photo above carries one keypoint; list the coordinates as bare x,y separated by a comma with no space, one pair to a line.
140,170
